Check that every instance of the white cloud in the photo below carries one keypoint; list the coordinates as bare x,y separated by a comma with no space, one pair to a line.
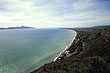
4,19
83,4
54,13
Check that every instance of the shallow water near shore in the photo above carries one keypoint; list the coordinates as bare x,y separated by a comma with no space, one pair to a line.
24,50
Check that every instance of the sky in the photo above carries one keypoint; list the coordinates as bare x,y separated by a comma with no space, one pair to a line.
54,13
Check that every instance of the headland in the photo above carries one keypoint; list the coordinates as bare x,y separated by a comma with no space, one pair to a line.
89,53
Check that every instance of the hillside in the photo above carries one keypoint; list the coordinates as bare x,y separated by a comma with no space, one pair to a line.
91,53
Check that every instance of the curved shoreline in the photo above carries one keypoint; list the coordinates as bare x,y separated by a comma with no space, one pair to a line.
67,47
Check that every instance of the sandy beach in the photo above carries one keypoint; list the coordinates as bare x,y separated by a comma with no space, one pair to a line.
66,48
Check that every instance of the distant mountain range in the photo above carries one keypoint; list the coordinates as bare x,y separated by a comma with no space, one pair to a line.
22,27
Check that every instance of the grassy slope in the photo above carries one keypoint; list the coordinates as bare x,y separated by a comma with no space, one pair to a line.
95,57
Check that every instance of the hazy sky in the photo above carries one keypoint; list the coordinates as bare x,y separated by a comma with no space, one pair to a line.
54,13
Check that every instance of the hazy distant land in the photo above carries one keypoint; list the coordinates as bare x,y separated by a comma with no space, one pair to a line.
21,27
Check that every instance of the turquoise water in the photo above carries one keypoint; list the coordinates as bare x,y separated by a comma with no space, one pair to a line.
24,50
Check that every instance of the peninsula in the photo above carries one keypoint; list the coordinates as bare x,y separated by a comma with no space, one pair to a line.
21,27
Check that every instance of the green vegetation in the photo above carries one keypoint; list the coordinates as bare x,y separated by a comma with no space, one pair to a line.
75,64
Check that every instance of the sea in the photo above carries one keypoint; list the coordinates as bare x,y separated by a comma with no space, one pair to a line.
24,50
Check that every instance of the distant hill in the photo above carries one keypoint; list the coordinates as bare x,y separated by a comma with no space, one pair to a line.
22,27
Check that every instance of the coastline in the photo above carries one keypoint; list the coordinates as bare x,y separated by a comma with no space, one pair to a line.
72,48
75,48
89,52
67,47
